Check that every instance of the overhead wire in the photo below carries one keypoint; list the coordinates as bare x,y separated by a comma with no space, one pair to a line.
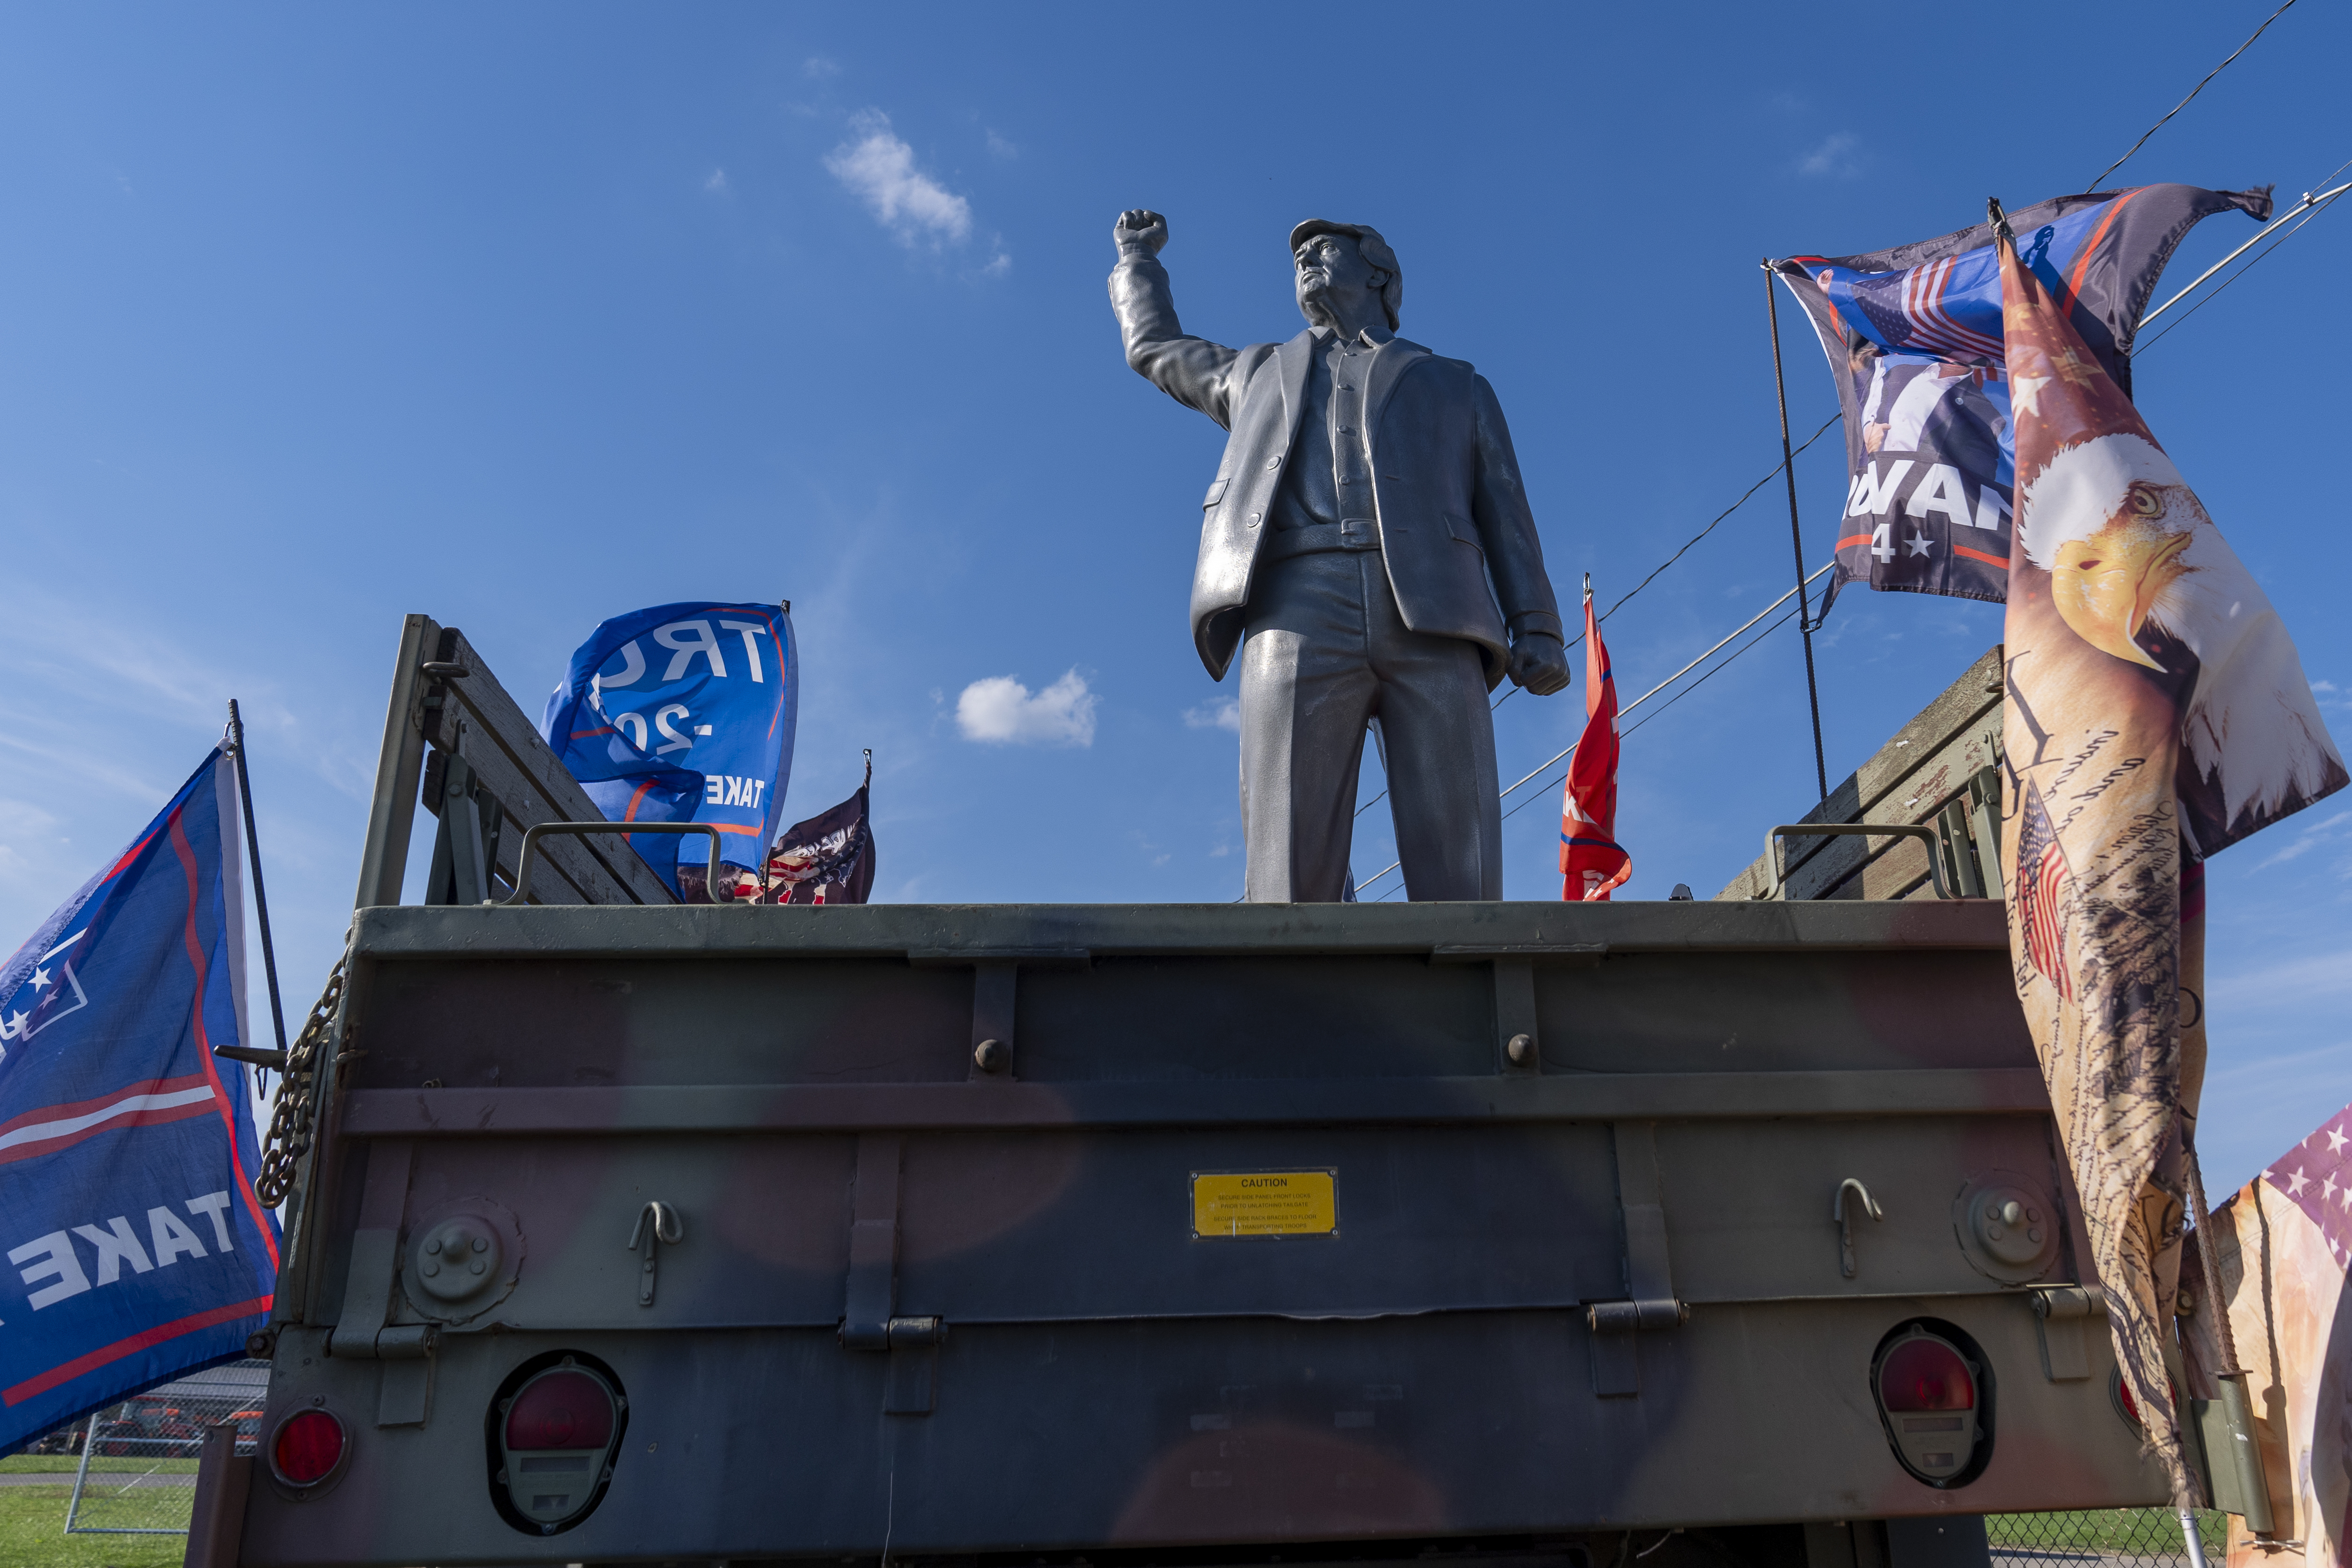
1562,754
1579,639
2193,91
2310,207
1661,709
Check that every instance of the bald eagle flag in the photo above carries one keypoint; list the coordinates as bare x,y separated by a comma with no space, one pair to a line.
2154,712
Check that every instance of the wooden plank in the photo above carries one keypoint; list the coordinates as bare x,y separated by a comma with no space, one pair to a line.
1919,795
1910,780
532,785
392,815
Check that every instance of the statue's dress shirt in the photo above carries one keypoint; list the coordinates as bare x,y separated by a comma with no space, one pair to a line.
1330,477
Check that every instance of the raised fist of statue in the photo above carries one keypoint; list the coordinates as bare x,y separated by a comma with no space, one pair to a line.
1142,229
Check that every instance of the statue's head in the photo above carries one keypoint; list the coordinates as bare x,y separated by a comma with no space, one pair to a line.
1336,260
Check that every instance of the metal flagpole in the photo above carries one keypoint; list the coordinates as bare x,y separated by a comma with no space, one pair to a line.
253,851
1805,623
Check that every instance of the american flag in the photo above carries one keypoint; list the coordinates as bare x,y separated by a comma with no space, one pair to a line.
2042,894
2315,1175
1912,308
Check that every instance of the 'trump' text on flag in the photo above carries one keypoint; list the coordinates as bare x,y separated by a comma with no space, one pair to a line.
684,712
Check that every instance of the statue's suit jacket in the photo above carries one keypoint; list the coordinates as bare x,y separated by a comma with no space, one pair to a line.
1454,530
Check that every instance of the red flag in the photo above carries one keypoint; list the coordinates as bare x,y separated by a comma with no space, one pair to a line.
1590,860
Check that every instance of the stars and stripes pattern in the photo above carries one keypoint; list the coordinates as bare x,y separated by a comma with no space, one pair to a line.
2041,896
2315,1175
1915,309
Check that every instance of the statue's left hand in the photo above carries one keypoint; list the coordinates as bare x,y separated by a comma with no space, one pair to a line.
1540,663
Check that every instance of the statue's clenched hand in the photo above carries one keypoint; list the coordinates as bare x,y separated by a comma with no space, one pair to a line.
1142,229
1540,663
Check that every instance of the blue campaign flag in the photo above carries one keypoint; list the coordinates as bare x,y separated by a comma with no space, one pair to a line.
136,1249
1913,337
684,712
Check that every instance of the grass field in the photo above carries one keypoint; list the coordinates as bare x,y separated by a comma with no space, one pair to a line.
32,1535
2112,1531
66,1464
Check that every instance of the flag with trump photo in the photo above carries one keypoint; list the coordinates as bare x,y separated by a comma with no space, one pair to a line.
2283,1242
135,1248
1913,340
684,712
2155,714
1591,863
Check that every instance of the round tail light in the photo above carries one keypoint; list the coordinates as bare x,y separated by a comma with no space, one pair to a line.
1928,1391
307,1447
556,1437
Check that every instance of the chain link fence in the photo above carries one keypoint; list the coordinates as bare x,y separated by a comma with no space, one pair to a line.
136,1473
2101,1537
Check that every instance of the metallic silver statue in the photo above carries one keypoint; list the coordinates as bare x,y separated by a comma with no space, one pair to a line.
1367,544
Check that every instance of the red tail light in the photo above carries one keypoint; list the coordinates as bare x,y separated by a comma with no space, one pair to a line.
1926,1374
307,1448
557,1437
1928,1393
564,1409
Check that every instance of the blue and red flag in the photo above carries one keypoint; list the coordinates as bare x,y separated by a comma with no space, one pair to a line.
136,1249
1592,862
1914,339
684,712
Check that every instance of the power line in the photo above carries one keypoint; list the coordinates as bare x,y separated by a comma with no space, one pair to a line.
1578,639
1637,702
1670,702
2310,207
2193,91
1720,516
1662,708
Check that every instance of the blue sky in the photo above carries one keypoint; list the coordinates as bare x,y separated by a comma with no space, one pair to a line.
522,316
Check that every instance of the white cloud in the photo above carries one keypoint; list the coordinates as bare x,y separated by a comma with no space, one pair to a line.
1834,157
817,68
880,169
2310,834
1226,714
1003,150
999,268
717,184
1001,711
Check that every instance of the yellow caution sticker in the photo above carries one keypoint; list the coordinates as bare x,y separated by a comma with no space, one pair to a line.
1231,1205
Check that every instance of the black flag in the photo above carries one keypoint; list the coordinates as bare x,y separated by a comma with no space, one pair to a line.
829,858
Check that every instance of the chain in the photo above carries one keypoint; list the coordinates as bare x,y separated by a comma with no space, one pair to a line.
289,1126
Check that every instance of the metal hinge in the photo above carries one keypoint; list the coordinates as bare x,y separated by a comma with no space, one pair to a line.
1614,1327
869,1319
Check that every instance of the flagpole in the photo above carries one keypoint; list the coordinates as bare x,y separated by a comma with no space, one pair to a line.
253,851
1796,536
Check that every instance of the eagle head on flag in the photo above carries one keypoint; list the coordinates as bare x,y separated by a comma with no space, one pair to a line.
1592,862
2155,714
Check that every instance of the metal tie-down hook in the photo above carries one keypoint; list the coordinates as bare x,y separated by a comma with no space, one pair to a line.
666,1227
1846,1264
